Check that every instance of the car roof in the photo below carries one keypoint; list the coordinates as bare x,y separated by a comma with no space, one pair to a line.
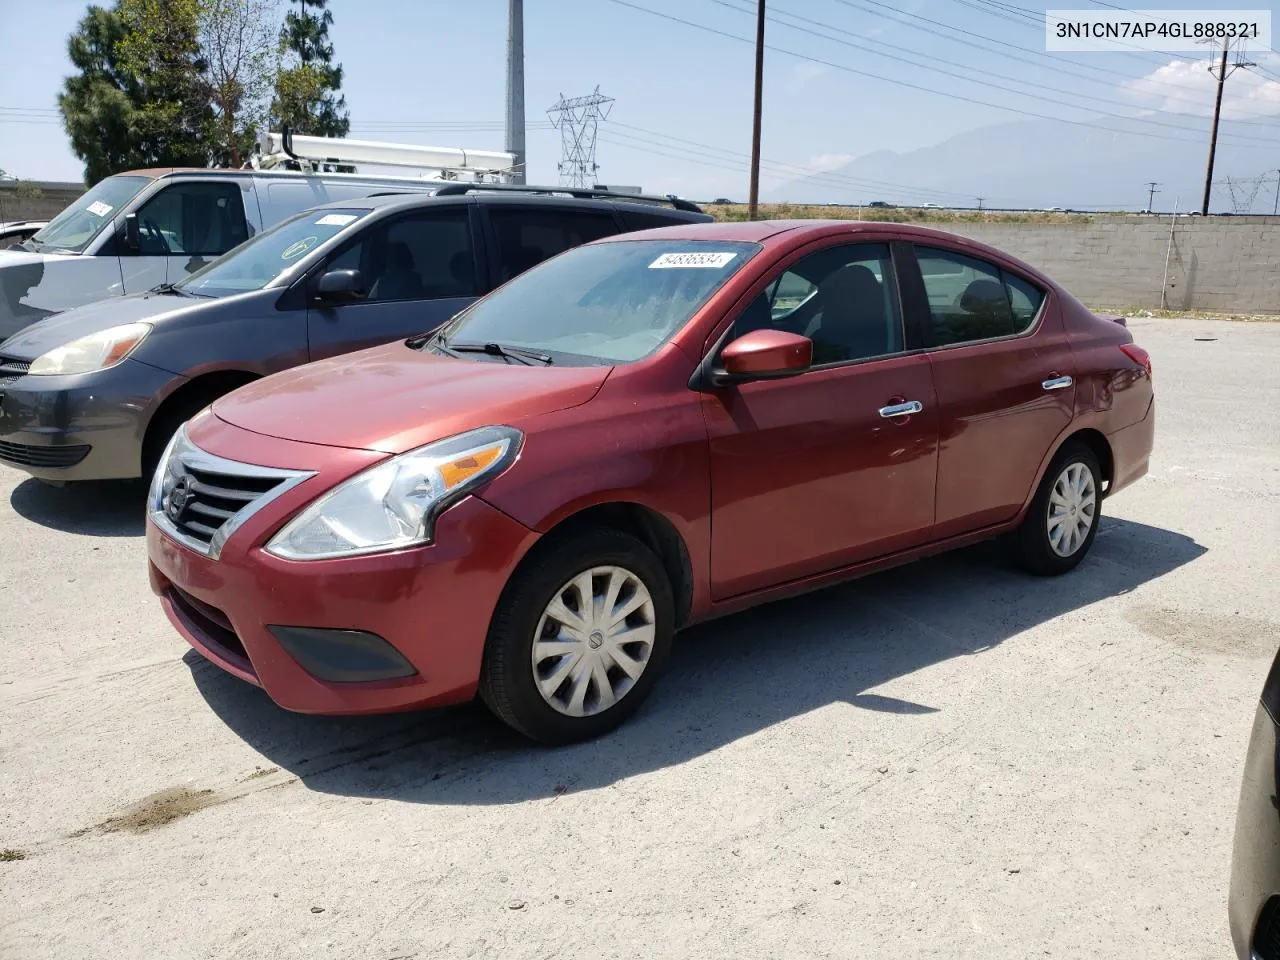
413,198
795,233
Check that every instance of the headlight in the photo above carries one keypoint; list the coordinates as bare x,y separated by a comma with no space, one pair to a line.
97,351
394,504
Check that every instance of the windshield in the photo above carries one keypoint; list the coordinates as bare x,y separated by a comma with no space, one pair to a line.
609,303
255,263
72,229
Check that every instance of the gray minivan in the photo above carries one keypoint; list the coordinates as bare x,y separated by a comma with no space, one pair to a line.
136,230
96,392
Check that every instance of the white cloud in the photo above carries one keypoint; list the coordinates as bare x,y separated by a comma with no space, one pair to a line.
1187,87
830,161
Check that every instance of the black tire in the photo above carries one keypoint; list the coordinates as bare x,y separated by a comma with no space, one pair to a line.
161,430
507,682
1032,547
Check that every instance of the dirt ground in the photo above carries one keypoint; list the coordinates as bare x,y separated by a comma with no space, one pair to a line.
950,759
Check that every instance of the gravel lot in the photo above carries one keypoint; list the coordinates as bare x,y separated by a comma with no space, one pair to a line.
949,759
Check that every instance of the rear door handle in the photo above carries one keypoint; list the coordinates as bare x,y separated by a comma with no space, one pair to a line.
1057,383
901,409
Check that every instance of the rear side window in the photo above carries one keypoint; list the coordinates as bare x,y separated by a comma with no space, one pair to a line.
971,299
203,219
528,236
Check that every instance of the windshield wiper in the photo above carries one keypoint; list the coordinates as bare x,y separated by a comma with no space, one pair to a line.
168,289
498,350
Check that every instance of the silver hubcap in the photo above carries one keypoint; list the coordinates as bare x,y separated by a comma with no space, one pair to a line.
593,641
1073,506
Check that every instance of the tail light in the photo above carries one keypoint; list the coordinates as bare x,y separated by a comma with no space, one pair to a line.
1137,355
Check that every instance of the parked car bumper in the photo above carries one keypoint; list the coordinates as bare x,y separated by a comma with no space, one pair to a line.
1254,905
312,633
82,427
1131,450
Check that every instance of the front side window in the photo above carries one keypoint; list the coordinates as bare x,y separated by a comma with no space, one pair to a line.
528,236
844,299
272,254
72,230
611,303
201,219
971,299
423,257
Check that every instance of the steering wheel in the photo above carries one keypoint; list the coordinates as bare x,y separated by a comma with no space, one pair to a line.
154,231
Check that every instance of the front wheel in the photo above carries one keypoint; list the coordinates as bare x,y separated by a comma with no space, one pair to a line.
1059,528
579,637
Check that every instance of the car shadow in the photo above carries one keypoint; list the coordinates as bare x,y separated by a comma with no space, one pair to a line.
95,508
727,679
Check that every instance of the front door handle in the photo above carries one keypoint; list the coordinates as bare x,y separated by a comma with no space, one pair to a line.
901,409
1057,383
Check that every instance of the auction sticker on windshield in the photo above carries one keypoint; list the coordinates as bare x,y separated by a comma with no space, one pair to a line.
692,259
98,208
335,219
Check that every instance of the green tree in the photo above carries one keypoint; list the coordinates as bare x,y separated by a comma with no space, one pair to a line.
138,98
100,102
308,89
161,46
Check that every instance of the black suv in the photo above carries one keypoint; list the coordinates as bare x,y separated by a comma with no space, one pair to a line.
97,391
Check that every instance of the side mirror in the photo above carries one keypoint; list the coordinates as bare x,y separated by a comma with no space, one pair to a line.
764,355
131,239
341,285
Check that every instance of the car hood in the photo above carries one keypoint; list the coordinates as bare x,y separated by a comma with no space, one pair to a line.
392,399
43,335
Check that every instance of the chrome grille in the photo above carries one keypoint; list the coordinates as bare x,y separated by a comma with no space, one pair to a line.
201,499
211,499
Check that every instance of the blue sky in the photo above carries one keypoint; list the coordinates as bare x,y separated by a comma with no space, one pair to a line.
433,72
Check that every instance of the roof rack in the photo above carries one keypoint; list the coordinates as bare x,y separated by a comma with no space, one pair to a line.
443,164
579,193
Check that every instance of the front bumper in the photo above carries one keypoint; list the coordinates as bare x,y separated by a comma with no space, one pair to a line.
1254,905
84,427
431,604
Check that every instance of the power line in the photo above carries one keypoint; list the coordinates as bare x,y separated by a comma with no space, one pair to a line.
967,75
897,82
982,42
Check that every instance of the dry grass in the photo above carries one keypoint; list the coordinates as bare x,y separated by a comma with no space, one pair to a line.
793,211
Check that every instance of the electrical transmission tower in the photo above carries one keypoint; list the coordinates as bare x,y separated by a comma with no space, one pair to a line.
577,119
1244,191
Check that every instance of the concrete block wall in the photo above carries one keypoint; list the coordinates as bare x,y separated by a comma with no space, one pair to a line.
1231,264
35,200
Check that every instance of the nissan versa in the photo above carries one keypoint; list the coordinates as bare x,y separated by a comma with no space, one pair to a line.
95,393
636,435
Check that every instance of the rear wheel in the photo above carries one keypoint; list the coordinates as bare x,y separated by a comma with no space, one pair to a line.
579,638
1059,528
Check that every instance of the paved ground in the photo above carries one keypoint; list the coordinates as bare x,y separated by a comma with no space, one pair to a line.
946,760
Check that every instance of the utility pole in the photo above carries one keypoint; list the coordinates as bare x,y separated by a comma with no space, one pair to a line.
1276,209
1220,75
753,197
515,88
980,199
1152,190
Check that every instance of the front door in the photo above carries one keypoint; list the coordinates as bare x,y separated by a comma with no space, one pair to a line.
419,270
833,466
1003,371
184,226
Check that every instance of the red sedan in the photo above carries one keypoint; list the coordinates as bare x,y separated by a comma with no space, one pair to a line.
637,435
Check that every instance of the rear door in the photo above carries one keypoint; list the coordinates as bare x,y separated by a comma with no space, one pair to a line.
419,269
523,235
184,226
1003,370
